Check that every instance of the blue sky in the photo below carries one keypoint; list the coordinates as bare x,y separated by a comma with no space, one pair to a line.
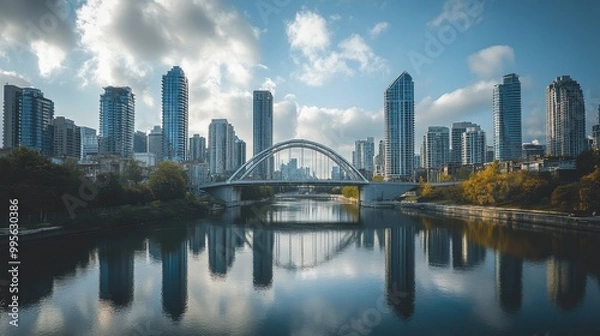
328,62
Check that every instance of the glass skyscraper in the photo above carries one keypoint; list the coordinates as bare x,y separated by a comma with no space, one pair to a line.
436,147
458,128
262,130
399,111
565,118
174,115
117,119
28,119
89,143
508,138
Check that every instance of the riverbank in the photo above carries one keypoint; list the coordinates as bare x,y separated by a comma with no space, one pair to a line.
513,217
115,218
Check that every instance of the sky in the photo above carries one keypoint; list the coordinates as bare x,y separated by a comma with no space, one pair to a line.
328,62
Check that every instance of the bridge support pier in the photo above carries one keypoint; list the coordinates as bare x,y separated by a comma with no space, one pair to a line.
230,194
381,194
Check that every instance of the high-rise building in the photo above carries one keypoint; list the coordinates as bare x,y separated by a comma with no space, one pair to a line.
89,144
489,154
436,147
12,95
362,156
565,118
221,144
533,150
140,142
596,131
155,142
67,138
507,119
458,128
262,130
399,111
28,119
117,120
174,115
239,155
197,149
379,159
473,145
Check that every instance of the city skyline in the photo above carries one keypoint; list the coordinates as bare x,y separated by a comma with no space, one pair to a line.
326,64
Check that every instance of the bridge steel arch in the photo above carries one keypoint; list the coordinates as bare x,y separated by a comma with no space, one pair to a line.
251,164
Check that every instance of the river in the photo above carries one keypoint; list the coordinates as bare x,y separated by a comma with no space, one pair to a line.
311,267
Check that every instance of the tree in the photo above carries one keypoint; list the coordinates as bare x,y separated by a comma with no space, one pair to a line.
487,187
377,178
168,181
424,188
587,161
565,197
132,172
589,191
350,192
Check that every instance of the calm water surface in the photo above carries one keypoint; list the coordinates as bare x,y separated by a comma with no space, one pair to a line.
312,267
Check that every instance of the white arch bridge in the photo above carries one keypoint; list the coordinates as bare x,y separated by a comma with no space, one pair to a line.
252,173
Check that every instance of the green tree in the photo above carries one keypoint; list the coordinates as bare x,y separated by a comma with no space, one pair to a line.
38,183
132,172
587,161
565,197
377,178
168,181
589,191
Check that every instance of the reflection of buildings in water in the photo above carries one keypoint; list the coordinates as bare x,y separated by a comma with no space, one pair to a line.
400,269
231,216
436,243
262,258
366,239
565,283
465,253
239,237
174,277
509,281
380,233
197,239
116,271
154,250
221,249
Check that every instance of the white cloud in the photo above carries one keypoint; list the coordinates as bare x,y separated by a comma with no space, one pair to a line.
269,85
309,36
466,103
308,33
134,42
50,57
338,128
532,127
43,28
490,62
459,13
378,29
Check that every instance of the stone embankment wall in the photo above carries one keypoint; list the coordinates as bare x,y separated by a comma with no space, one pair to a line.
533,218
